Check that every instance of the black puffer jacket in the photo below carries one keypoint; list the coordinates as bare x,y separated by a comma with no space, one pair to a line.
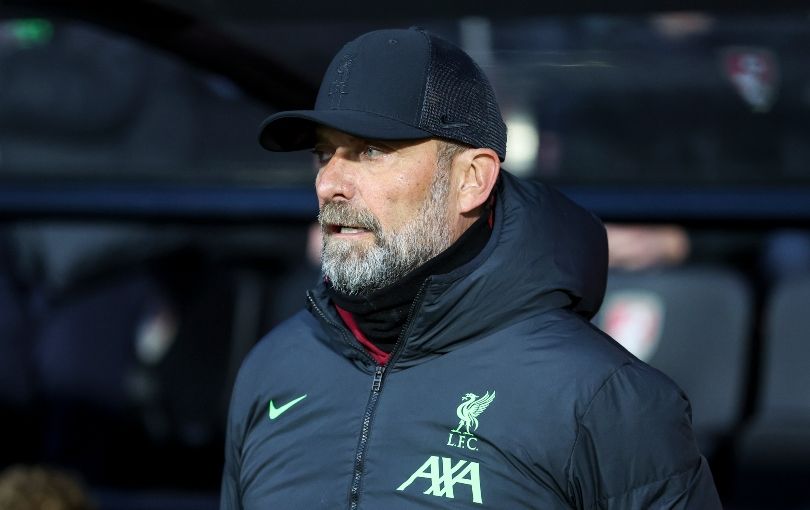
500,394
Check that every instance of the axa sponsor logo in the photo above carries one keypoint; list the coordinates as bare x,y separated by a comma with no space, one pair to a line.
439,474
442,474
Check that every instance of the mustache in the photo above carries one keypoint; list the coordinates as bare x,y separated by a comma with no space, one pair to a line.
342,213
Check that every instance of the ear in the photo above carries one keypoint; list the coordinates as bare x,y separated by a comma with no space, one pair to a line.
478,171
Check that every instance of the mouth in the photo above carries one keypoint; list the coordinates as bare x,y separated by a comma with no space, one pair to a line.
340,220
333,229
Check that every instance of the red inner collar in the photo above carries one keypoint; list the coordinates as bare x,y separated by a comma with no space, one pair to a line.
379,355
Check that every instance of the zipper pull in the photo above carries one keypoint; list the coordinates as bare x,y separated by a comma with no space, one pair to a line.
378,378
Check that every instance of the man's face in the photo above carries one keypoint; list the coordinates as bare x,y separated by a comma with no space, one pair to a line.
384,209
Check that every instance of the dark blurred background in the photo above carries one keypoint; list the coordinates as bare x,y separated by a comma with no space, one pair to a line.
147,241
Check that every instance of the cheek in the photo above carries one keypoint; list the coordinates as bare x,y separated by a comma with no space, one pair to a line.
396,197
414,182
404,200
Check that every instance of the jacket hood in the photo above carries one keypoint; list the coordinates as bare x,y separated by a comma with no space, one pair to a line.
545,252
548,243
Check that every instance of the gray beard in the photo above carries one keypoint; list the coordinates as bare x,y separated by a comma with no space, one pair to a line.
359,270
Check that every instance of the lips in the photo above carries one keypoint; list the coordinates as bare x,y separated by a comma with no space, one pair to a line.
341,218
345,229
351,230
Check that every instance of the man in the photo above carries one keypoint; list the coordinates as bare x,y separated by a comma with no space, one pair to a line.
447,360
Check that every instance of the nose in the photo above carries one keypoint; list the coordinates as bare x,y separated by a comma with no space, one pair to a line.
335,180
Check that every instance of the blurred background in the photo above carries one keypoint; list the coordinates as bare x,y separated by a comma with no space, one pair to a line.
147,241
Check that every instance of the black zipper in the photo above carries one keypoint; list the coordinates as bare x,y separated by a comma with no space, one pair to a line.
354,494
371,407
376,388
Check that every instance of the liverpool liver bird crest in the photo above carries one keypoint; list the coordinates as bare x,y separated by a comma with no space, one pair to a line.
470,409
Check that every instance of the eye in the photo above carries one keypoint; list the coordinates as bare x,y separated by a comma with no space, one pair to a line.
322,155
372,152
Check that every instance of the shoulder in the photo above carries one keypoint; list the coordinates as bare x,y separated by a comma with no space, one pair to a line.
637,395
575,348
601,379
612,383
583,367
285,347
636,431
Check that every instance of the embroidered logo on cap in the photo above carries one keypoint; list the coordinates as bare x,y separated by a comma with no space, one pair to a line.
337,88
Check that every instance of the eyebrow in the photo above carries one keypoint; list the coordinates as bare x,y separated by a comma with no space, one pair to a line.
321,138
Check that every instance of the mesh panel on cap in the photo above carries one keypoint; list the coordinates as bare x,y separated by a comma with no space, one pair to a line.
459,102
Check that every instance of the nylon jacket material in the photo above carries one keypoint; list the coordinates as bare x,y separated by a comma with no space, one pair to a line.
500,394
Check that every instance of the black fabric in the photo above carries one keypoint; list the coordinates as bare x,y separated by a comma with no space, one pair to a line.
572,420
382,314
459,103
397,85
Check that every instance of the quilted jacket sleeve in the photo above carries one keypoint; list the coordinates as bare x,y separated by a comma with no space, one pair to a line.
635,448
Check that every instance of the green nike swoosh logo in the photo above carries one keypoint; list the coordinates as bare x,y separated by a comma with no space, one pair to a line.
275,412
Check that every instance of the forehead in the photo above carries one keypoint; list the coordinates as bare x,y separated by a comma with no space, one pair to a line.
332,136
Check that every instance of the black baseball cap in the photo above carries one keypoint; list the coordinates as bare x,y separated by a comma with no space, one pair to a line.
399,84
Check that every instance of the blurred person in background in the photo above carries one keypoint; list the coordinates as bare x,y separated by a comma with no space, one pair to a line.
635,247
301,278
40,488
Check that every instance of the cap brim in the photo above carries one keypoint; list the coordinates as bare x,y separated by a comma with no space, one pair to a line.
295,130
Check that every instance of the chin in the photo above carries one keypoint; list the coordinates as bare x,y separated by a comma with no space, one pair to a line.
348,249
